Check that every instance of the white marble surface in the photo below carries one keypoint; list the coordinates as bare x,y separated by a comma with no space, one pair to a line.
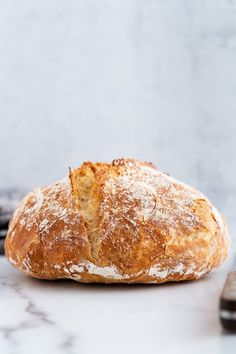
67,317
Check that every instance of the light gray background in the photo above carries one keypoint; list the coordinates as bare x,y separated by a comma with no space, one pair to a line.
96,80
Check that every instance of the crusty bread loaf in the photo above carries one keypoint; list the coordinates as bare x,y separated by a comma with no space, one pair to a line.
121,222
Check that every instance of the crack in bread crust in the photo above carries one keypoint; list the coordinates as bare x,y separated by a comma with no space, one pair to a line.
83,181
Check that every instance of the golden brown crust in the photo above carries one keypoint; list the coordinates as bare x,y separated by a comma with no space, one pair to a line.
119,222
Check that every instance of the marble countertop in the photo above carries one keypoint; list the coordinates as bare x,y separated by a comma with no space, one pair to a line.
68,317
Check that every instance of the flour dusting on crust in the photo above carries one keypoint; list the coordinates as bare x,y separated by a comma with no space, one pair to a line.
107,272
180,269
150,196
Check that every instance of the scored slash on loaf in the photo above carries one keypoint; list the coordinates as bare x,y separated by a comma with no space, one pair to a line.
121,222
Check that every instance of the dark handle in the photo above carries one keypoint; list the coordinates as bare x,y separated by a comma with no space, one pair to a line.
228,303
3,234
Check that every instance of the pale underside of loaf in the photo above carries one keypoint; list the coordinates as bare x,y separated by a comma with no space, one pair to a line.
120,222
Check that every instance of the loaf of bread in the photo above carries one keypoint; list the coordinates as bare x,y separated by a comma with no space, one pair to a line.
124,222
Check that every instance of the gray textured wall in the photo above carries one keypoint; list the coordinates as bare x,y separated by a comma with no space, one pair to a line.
95,80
